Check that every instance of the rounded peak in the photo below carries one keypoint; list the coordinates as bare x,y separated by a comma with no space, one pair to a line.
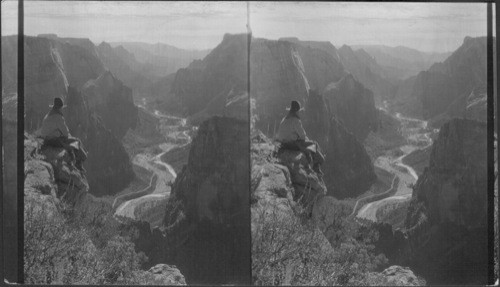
346,48
289,39
105,44
467,39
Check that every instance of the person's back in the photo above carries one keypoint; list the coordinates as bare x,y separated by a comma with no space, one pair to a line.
54,125
55,132
292,136
290,129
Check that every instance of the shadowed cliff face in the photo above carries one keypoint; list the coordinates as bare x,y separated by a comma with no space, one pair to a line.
339,119
366,70
207,216
348,170
124,66
208,86
353,105
9,183
444,89
447,217
108,164
100,115
112,101
282,71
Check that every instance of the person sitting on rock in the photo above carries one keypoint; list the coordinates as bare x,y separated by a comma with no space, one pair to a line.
292,136
55,133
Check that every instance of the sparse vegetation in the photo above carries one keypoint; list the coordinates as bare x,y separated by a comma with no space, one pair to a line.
287,249
59,250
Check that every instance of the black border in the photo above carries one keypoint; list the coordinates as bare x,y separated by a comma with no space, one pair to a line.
489,143
20,144
491,96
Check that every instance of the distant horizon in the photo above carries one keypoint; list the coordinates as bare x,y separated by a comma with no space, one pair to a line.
196,50
425,27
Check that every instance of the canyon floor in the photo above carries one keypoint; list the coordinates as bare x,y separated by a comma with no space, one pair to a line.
162,174
418,136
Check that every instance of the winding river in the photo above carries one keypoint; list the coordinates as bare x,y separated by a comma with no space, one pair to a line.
175,133
417,135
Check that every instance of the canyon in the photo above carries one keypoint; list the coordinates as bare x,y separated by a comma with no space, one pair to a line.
166,149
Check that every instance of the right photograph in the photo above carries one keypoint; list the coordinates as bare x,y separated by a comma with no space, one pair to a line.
369,144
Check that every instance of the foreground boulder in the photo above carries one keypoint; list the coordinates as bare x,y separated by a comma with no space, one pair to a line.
397,276
167,275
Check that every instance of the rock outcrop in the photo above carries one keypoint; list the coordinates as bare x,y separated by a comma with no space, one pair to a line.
289,69
353,105
53,183
349,169
207,215
401,276
283,232
62,67
281,71
108,164
112,102
307,184
167,275
447,217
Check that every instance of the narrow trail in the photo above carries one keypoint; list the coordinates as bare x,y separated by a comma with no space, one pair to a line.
171,128
417,136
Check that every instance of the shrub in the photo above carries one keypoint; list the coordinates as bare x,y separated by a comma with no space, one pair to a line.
287,249
59,250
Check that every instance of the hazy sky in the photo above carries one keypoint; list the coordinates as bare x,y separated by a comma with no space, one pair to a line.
201,25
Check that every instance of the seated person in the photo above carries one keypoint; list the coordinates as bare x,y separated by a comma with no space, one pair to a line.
55,133
291,135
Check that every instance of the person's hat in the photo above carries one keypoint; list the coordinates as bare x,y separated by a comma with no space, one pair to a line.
58,103
295,107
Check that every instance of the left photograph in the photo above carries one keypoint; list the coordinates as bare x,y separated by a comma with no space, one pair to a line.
136,142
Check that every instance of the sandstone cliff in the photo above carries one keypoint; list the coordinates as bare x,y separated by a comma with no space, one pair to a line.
447,217
207,215
124,66
444,88
208,85
353,105
289,69
368,71
62,67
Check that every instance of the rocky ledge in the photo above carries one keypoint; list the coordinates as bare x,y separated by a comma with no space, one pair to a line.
54,186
